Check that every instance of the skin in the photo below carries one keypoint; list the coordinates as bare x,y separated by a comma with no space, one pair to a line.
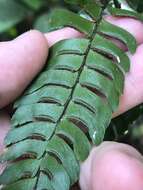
110,166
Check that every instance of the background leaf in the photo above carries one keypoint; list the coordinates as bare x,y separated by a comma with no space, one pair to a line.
34,4
11,13
136,4
78,2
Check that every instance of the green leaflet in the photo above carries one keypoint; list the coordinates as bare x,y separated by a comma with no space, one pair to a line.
119,12
70,19
27,184
93,10
69,105
113,31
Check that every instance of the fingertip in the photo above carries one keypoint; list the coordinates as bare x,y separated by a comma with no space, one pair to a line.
118,169
113,166
62,34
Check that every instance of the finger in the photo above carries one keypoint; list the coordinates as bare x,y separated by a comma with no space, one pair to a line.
133,26
112,166
62,34
133,90
21,59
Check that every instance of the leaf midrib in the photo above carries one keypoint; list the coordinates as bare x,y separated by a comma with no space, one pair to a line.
76,82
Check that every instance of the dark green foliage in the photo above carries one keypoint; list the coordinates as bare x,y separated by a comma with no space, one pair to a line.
69,105
14,12
11,13
136,4
79,2
33,4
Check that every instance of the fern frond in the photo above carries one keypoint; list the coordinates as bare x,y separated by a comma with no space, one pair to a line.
69,105
126,13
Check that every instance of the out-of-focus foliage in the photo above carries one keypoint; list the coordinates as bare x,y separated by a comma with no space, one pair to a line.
136,4
18,16
34,4
11,13
120,128
77,1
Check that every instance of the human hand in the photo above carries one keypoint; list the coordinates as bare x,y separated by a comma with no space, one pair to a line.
111,165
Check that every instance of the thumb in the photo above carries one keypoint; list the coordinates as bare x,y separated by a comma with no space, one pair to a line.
112,166
20,60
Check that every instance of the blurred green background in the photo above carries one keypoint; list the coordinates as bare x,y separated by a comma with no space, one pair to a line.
18,16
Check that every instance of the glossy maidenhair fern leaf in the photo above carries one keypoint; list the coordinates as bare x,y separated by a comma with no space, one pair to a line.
69,105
